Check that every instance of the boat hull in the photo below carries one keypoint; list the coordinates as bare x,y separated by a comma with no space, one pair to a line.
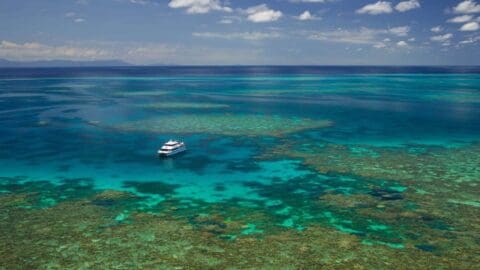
173,152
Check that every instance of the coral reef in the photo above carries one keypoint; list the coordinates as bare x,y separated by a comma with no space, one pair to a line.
105,228
225,124
422,196
150,93
76,234
184,105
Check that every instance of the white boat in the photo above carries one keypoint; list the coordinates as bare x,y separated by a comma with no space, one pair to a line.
171,148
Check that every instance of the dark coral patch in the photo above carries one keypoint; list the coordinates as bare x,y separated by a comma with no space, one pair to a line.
386,194
220,187
427,248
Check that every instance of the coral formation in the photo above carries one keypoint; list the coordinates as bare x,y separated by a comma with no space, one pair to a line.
75,234
150,93
184,105
426,199
225,124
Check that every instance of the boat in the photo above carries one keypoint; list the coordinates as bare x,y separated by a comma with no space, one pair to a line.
171,148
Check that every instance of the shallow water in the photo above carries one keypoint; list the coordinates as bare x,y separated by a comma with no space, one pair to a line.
291,167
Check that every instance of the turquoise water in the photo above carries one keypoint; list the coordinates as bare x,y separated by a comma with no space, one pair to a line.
388,159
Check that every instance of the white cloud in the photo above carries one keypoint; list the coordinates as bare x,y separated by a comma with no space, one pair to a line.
262,13
140,2
306,16
230,19
467,41
199,6
442,38
5,44
38,51
471,40
226,21
468,6
252,36
150,51
380,45
400,31
376,8
436,29
461,19
402,44
362,36
136,52
407,5
471,26
378,38
155,53
74,17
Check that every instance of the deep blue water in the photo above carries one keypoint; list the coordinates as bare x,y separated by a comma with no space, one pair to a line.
252,71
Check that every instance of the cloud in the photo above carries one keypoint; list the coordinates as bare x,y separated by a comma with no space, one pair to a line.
182,54
380,45
140,2
400,31
138,53
461,19
199,6
379,7
306,16
230,19
407,5
385,7
378,38
363,36
252,36
471,26
442,38
470,40
468,6
436,29
134,52
38,51
262,13
156,52
225,21
402,44
74,17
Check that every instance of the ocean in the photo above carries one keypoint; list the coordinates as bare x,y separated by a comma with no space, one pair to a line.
287,167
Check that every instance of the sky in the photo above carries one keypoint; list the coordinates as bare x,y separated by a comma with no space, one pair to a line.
246,32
